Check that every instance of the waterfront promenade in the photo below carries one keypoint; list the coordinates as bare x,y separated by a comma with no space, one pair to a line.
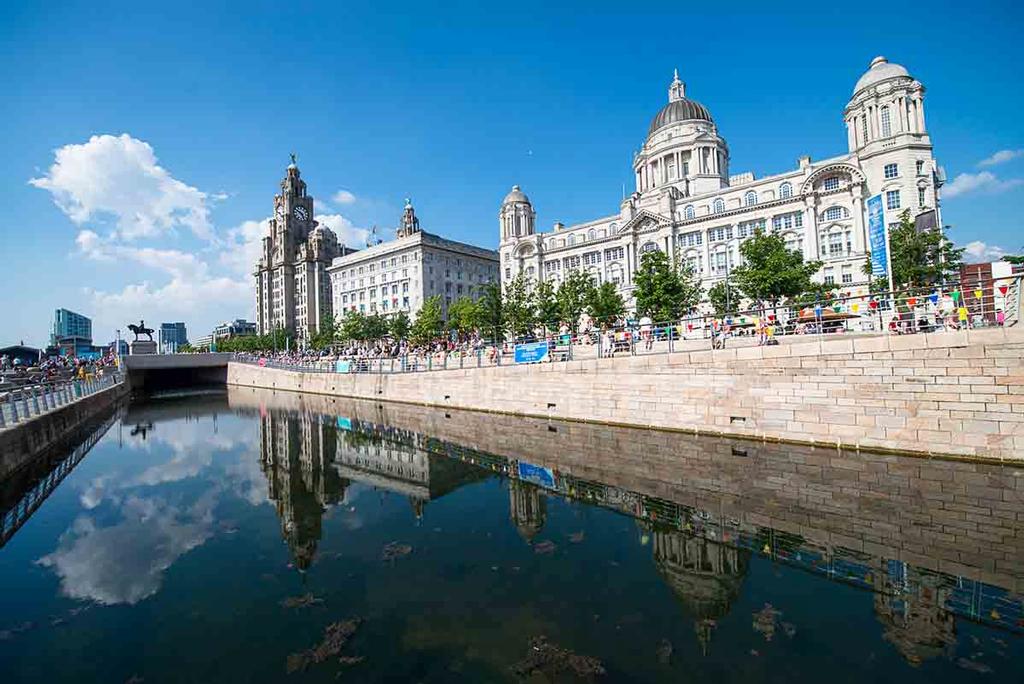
958,394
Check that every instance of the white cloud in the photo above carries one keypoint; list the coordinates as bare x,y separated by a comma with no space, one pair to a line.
119,177
347,232
985,181
244,246
343,197
188,289
1001,157
979,252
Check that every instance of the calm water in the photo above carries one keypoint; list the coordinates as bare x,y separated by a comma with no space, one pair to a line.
171,550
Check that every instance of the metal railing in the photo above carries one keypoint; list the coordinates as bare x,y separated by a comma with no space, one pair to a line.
956,306
24,403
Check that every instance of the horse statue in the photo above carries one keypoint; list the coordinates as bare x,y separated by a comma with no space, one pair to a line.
141,329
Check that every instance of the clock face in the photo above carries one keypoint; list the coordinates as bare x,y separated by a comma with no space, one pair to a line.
300,213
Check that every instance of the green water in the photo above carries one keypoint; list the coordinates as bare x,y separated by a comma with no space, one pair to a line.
169,553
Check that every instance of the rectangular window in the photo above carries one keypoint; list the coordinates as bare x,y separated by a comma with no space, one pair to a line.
920,167
920,197
886,123
892,170
835,245
830,183
892,199
830,279
864,129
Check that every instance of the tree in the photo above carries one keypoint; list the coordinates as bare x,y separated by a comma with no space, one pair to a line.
352,326
518,305
399,325
918,258
605,304
327,333
546,304
664,291
724,298
375,327
771,272
491,310
429,321
463,315
572,297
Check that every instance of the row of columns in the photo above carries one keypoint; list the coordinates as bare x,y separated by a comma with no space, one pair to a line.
701,160
906,116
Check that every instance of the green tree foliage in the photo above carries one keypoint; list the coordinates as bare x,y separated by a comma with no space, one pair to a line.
491,310
548,311
517,304
921,258
352,326
375,327
771,272
463,316
664,291
724,298
326,335
605,304
399,326
572,297
429,322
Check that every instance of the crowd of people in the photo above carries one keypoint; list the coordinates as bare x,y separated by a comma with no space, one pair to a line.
15,370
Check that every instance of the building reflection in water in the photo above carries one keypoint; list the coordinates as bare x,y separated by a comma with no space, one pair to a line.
527,508
912,610
704,575
310,463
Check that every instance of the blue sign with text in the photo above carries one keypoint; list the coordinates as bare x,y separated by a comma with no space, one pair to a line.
344,423
531,353
877,238
341,366
536,474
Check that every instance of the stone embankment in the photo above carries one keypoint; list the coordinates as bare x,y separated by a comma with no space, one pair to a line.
951,394
22,443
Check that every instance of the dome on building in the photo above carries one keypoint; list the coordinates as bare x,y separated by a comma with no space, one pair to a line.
880,70
679,108
516,195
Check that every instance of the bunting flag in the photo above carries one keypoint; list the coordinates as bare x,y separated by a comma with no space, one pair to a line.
962,313
838,308
933,298
978,293
956,296
1003,289
855,307
873,304
912,301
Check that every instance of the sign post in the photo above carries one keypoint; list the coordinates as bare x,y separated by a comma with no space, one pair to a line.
878,238
532,352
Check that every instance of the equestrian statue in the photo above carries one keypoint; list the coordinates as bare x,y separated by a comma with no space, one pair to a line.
141,329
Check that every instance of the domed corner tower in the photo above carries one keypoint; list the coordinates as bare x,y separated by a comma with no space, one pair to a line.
520,244
886,130
682,149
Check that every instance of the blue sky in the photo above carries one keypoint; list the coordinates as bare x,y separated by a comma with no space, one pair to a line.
142,148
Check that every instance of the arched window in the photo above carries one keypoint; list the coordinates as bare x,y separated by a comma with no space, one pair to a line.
648,247
591,234
719,205
689,212
571,240
612,228
786,190
886,122
750,199
835,213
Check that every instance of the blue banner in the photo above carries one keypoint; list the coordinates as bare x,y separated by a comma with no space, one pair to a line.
345,423
531,353
877,238
341,366
536,474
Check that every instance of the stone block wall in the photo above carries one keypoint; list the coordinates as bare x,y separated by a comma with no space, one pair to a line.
951,394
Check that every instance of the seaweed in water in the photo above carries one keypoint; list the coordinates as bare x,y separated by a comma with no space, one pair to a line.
304,601
547,658
336,636
394,551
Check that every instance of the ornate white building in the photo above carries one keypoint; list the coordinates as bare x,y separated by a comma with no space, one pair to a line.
401,274
688,205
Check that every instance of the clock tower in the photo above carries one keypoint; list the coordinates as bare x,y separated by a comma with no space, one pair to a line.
291,275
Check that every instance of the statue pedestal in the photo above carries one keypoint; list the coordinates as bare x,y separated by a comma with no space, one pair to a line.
142,347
